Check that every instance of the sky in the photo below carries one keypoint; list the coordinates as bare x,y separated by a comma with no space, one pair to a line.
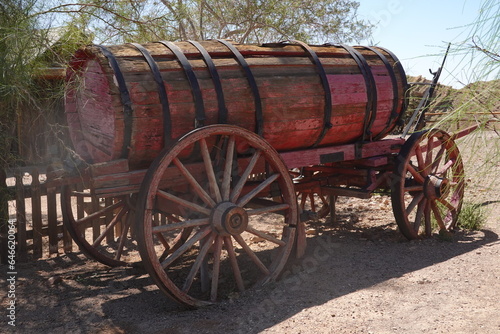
418,31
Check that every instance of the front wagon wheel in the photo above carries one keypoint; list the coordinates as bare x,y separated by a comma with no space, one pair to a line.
428,184
230,199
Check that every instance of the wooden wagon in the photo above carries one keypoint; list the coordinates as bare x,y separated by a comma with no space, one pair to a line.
208,157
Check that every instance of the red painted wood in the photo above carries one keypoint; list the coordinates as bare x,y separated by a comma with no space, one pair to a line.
291,92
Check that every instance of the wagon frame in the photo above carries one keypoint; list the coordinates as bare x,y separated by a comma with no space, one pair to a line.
420,197
221,210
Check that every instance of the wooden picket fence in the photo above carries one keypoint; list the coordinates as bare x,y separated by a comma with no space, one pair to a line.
30,202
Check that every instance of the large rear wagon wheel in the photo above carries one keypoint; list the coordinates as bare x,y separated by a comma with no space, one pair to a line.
100,226
237,230
428,184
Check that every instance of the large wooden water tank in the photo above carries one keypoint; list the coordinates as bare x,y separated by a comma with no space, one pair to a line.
130,100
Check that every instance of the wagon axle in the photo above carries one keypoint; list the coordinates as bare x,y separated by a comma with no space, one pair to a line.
436,187
229,219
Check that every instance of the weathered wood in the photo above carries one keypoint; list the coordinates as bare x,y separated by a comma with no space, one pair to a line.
290,89
36,204
20,214
52,220
308,157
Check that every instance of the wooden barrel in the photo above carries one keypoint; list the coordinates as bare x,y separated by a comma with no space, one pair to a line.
129,101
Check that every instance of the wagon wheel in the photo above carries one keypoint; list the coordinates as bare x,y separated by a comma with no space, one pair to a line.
428,185
310,199
237,231
100,226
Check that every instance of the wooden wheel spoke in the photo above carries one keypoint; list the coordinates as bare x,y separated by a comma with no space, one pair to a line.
439,156
419,215
442,171
234,263
185,247
123,238
228,168
251,254
427,216
265,236
183,202
254,192
209,168
437,215
181,225
303,199
216,269
243,179
198,189
313,204
417,187
99,213
419,178
416,200
428,155
268,209
420,157
447,204
111,224
198,262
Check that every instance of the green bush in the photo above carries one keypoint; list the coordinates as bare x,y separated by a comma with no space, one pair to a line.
472,216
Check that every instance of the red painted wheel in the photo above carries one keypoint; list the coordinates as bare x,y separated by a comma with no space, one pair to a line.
100,226
235,211
310,198
428,184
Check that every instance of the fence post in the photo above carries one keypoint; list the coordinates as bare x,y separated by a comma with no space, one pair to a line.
36,204
21,216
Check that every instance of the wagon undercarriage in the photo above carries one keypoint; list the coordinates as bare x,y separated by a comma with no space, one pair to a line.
208,228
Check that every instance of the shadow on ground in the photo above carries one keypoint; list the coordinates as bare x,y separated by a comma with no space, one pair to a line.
91,298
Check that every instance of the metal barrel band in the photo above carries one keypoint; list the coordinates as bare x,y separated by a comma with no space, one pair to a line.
395,91
326,87
399,66
259,120
125,99
162,93
223,113
193,82
371,90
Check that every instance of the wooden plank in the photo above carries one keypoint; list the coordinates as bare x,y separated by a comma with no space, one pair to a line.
36,204
301,158
52,220
348,192
21,215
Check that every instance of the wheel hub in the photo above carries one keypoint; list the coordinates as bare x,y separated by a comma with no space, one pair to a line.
229,219
435,187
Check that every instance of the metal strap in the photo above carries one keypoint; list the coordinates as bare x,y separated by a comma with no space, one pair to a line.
401,70
371,90
125,99
395,91
193,82
162,93
326,87
216,81
259,121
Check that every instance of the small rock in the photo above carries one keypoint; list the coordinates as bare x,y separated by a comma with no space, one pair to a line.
53,280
